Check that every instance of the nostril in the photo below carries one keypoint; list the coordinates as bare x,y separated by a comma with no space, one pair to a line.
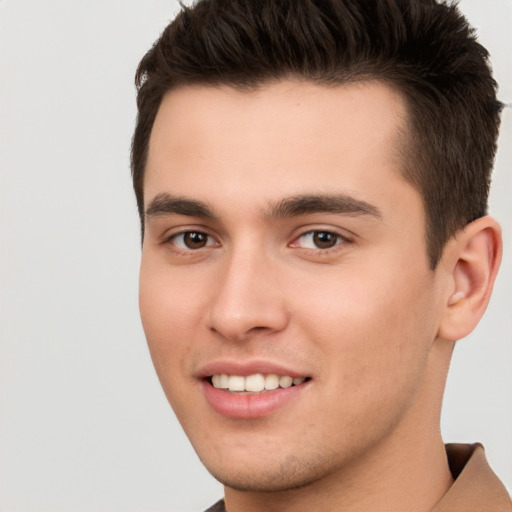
258,328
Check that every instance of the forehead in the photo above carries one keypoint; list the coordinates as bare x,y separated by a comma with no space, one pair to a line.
289,136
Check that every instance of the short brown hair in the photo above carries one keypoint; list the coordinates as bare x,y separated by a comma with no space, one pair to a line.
424,48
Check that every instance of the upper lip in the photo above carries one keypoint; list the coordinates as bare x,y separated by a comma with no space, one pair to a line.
245,368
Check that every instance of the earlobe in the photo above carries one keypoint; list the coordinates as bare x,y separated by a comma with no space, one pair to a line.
474,257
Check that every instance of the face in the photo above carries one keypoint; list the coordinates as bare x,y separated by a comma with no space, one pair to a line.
285,290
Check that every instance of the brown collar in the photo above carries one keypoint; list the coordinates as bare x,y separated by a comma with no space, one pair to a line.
476,487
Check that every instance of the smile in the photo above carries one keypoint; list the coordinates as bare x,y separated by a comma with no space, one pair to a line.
255,383
245,395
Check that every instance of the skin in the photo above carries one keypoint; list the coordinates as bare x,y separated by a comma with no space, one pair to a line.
366,319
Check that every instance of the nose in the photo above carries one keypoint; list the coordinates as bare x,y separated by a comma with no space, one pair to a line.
248,298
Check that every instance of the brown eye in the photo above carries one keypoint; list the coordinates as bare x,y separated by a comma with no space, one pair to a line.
319,240
192,240
324,239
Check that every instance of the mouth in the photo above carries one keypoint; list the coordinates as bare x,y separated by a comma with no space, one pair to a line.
255,384
253,395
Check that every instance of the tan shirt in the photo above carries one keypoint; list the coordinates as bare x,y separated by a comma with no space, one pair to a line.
476,487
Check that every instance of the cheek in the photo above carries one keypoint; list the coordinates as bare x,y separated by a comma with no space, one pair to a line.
169,313
168,299
374,356
376,329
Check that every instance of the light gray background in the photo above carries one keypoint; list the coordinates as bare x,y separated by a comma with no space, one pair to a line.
84,425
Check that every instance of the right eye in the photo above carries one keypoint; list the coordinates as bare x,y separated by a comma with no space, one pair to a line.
192,240
319,239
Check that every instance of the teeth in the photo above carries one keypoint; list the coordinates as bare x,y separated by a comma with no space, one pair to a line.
255,383
271,382
285,381
236,383
224,381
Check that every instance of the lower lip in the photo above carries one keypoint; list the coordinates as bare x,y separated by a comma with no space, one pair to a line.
250,406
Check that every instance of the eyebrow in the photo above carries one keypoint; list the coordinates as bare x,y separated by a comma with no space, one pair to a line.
167,204
294,206
319,203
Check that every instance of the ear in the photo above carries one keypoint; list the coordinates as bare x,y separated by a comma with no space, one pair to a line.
472,258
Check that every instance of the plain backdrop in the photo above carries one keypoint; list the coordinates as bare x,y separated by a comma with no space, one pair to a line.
84,425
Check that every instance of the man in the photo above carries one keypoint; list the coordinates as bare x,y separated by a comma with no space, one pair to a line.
312,180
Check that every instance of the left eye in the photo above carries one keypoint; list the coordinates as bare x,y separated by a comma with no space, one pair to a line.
319,240
192,240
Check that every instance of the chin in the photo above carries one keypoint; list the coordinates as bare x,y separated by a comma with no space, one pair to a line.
285,475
